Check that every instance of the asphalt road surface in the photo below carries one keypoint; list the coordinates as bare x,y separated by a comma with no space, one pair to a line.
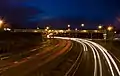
95,61
84,58
31,63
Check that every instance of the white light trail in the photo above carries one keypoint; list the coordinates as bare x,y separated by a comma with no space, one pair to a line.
105,53
115,65
100,64
95,58
108,61
85,49
107,56
93,48
84,46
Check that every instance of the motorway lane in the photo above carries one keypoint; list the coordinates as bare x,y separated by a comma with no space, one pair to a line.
28,65
60,65
87,66
104,64
107,65
114,50
86,58
13,59
7,59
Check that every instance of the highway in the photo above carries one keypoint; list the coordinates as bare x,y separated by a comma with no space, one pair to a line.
83,58
60,65
31,63
95,61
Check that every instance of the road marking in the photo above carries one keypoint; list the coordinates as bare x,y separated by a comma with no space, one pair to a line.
115,57
108,57
104,56
93,48
67,73
29,57
33,50
100,65
85,49
16,62
3,58
95,58
114,63
37,54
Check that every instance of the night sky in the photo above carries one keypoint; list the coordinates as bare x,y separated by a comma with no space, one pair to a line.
59,13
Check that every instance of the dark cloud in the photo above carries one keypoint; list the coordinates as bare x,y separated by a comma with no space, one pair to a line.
20,14
29,11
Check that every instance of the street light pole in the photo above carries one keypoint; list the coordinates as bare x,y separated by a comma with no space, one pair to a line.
82,25
69,27
110,35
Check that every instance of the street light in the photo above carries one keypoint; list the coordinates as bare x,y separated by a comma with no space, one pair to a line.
68,25
82,25
76,29
100,27
110,35
1,22
110,28
38,28
47,27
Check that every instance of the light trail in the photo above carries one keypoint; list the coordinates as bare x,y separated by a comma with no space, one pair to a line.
100,64
95,59
85,49
99,60
110,57
108,61
67,73
94,46
84,46
107,56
